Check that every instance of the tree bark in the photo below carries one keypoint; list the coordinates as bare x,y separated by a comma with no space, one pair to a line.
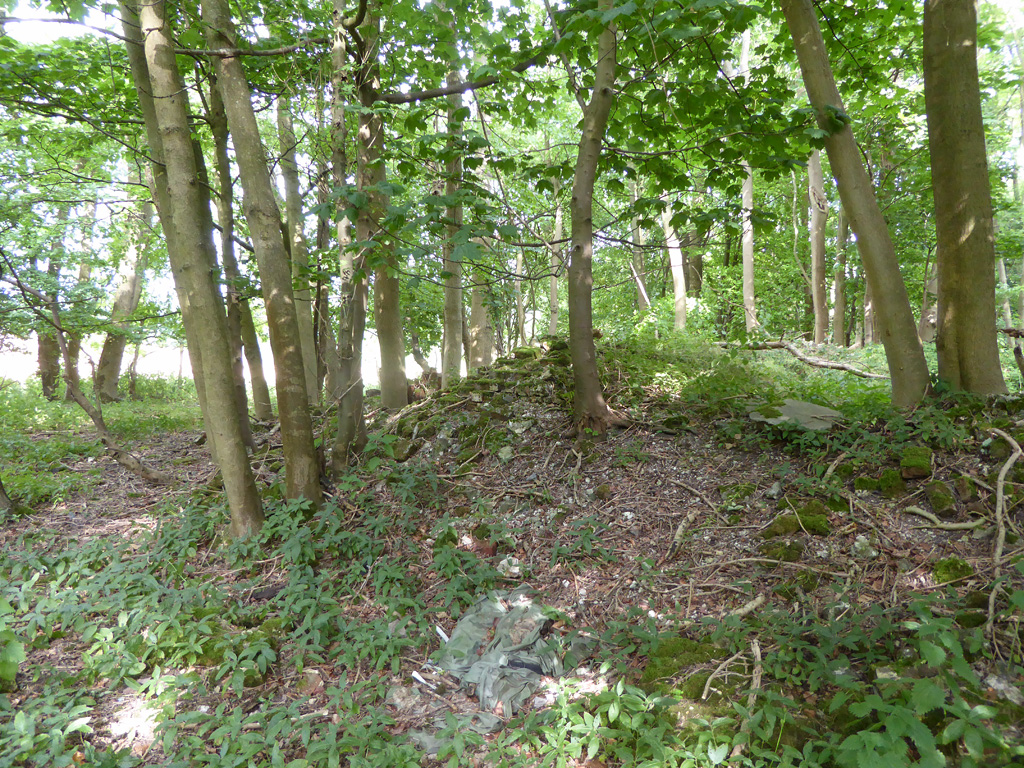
839,282
819,216
747,235
903,351
295,229
301,462
590,409
162,94
966,343
232,279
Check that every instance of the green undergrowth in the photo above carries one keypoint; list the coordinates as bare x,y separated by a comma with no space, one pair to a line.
40,440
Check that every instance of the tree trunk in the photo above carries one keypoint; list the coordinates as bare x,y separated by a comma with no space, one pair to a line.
747,235
677,264
226,218
48,356
351,435
301,462
907,366
451,353
1004,286
163,96
819,216
481,332
966,343
556,266
519,335
126,300
295,229
589,406
636,265
839,282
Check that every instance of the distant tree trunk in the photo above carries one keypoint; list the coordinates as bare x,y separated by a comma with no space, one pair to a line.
968,351
226,219
694,264
1004,286
926,324
126,300
162,95
677,265
295,228
49,353
481,331
839,337
636,266
907,366
556,266
351,435
6,504
451,353
301,461
819,216
520,330
747,238
591,411
74,337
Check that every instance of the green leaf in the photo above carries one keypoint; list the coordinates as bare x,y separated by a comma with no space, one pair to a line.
927,695
932,653
717,754
611,15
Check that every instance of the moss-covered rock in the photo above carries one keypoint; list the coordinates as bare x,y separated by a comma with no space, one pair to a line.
940,496
864,483
966,489
845,471
951,569
603,492
916,462
891,484
812,517
527,353
786,551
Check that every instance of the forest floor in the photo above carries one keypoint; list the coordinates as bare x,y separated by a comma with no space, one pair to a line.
773,554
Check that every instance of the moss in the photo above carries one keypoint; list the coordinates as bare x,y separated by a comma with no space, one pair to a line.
891,484
865,484
673,656
735,493
692,687
845,471
966,488
603,492
787,552
951,569
940,496
812,518
916,462
971,619
527,353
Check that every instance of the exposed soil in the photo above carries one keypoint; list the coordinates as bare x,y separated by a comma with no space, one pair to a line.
615,504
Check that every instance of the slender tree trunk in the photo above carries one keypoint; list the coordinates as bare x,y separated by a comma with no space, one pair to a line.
678,267
301,461
907,367
839,282
589,406
517,288
968,351
74,342
819,216
636,265
1004,286
556,266
451,353
747,235
126,300
351,435
295,227
163,96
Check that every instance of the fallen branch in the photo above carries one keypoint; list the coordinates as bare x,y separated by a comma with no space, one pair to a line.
997,555
942,526
817,362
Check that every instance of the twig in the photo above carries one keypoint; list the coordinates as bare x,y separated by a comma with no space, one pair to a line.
748,607
724,665
997,555
697,493
816,362
755,686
